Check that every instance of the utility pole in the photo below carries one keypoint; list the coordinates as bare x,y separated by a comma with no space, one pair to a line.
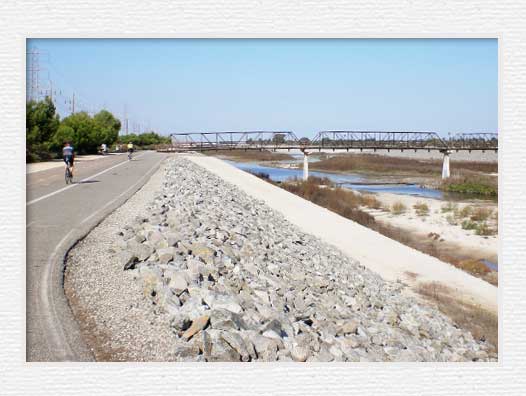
73,104
125,119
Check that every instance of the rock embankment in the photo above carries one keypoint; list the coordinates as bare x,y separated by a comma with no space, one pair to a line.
222,277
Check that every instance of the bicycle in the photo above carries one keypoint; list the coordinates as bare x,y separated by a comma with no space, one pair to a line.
68,175
129,155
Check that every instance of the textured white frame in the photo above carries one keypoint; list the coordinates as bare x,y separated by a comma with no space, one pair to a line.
229,18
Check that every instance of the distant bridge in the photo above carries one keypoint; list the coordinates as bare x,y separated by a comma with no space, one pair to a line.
334,140
331,140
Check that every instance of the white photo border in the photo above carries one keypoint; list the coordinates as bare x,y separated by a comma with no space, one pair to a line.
271,19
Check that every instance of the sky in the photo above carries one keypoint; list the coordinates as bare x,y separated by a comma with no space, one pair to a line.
299,85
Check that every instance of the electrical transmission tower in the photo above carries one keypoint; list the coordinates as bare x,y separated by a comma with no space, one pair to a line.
33,70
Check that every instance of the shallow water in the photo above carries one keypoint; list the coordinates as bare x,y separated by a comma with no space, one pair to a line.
349,180
490,265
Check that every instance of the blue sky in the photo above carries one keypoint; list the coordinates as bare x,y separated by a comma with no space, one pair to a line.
300,85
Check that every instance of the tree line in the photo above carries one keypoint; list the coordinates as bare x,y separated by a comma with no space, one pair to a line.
46,132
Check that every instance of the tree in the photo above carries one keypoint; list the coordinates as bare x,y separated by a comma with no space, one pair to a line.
41,124
107,127
145,139
46,134
278,138
85,137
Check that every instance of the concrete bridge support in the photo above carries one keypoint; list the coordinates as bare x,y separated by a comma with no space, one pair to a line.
305,165
445,165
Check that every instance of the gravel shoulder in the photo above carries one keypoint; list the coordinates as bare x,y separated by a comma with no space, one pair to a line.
192,268
107,301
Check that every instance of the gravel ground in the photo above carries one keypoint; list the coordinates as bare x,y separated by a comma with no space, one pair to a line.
116,319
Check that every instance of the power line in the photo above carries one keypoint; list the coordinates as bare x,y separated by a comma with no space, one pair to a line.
69,100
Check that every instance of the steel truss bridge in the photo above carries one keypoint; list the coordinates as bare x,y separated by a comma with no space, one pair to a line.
331,140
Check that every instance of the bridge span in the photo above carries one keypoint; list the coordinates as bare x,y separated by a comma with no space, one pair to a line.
333,140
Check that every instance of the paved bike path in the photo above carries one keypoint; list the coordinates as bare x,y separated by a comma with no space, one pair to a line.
57,216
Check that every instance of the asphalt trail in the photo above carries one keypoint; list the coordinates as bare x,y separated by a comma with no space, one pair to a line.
57,216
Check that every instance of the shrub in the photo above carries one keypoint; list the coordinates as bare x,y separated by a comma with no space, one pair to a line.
464,212
484,229
480,214
471,184
449,207
344,202
421,208
469,225
370,201
398,208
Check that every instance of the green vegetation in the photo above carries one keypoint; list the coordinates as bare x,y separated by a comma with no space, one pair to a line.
471,184
473,218
46,133
484,229
145,140
398,208
469,225
42,123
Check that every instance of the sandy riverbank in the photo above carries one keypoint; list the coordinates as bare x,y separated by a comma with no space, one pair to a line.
436,222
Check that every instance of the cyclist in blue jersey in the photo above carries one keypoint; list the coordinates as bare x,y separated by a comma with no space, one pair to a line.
68,154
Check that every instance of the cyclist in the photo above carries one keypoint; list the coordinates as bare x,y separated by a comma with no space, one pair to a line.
130,149
68,154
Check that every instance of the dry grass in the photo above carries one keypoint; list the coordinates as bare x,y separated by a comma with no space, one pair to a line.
481,214
251,155
338,200
421,208
371,201
475,219
485,230
451,220
382,163
398,208
449,207
482,324
347,204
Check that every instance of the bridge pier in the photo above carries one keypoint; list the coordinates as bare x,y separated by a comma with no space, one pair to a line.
445,164
305,165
